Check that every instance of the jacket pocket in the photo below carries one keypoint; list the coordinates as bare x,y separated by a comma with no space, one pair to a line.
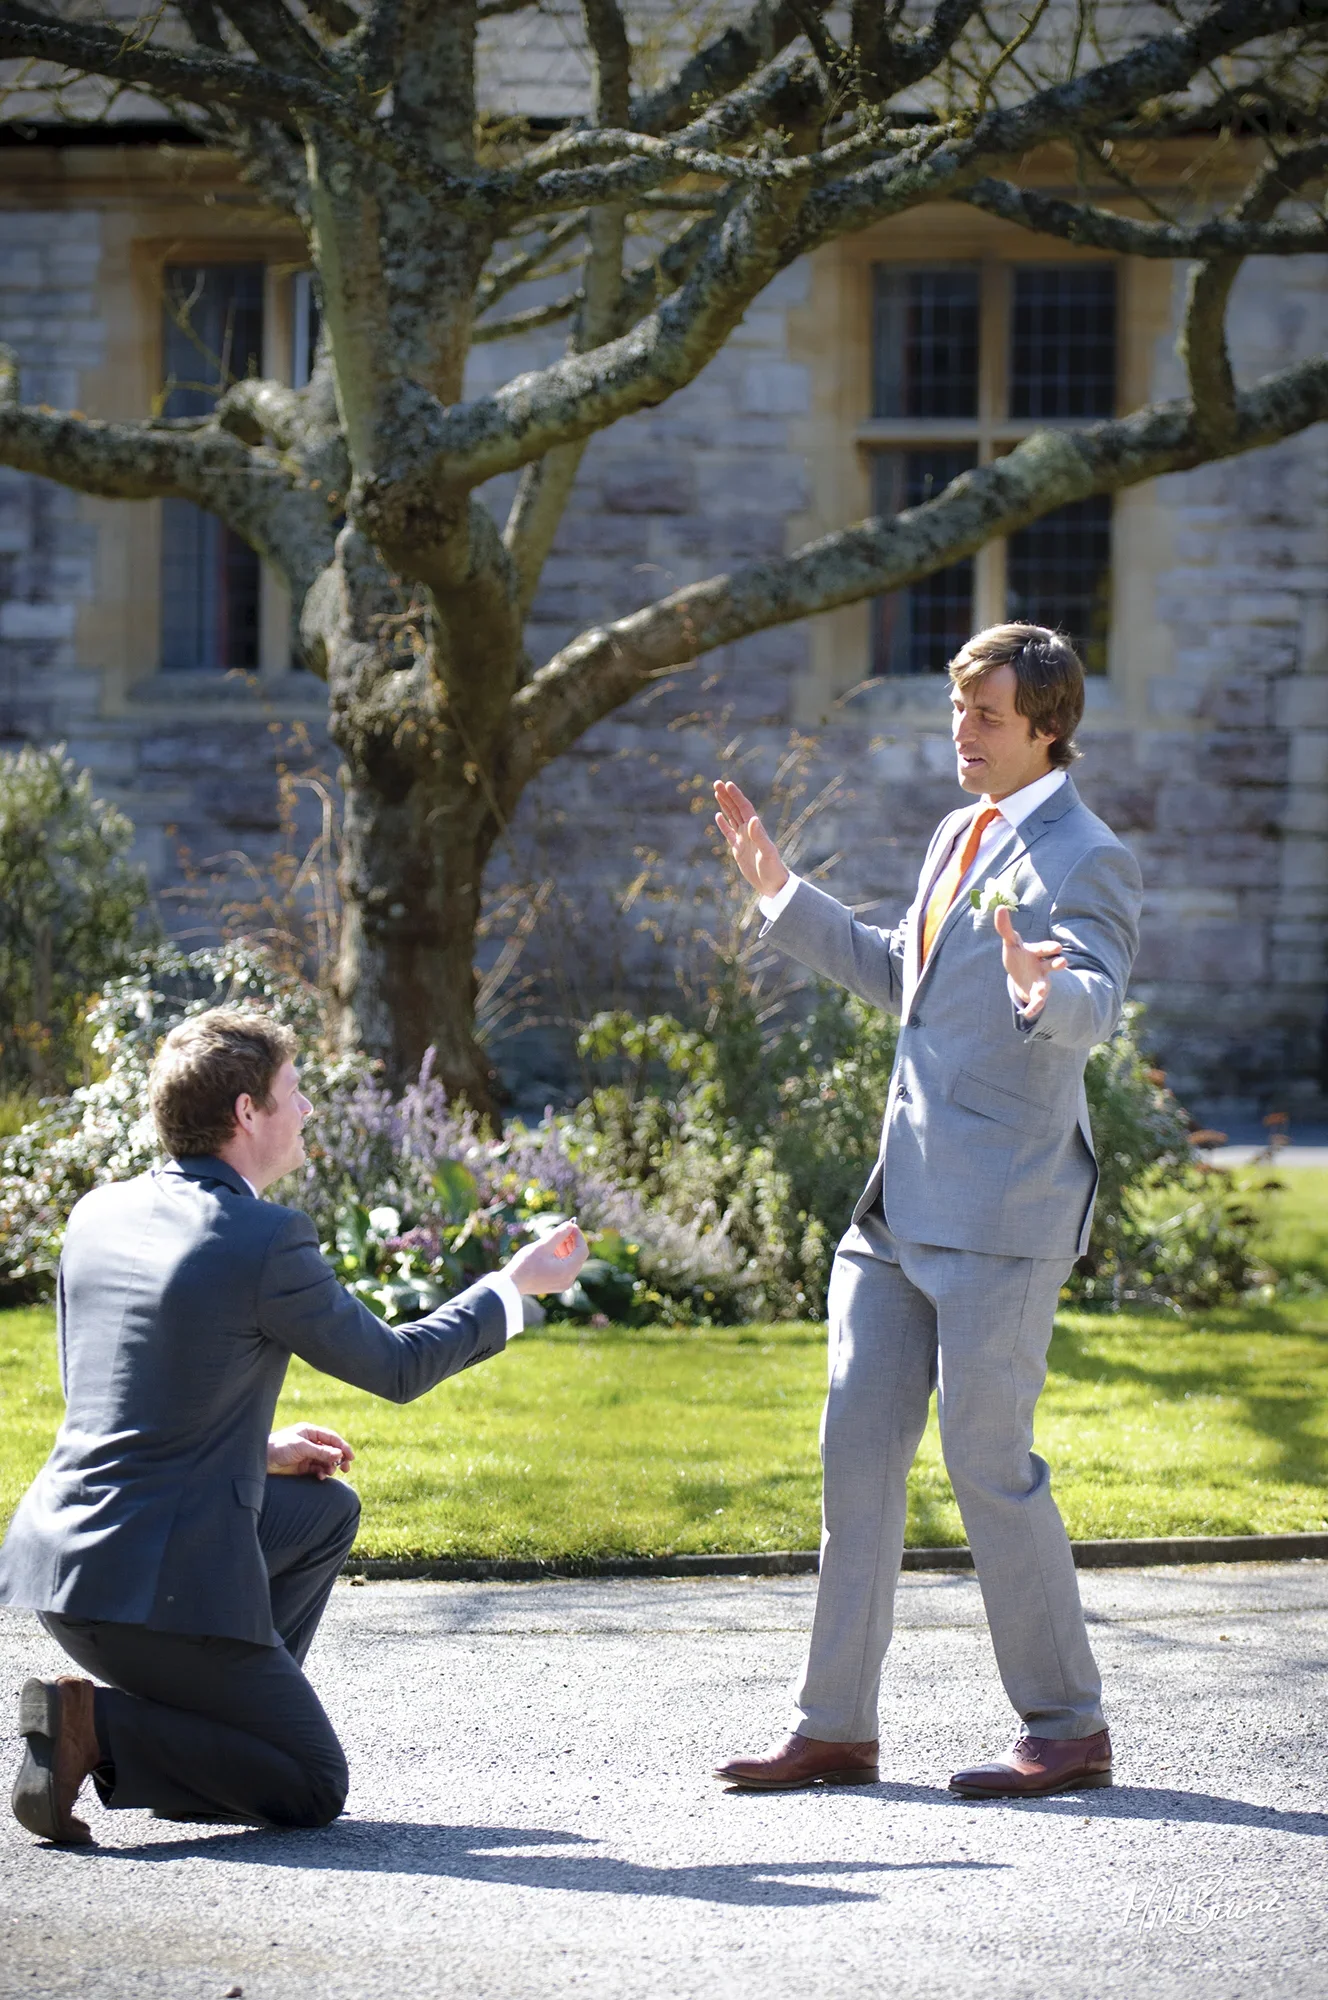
249,1493
1006,1107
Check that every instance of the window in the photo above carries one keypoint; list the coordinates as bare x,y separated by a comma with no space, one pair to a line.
966,359
931,620
306,323
212,336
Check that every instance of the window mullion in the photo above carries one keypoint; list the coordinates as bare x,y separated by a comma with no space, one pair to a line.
993,400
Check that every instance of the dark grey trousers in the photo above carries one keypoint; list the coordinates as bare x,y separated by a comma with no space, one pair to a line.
196,1727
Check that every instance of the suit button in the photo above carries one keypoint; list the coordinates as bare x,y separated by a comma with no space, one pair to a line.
901,1096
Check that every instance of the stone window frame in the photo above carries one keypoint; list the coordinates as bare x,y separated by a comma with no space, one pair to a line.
280,257
838,435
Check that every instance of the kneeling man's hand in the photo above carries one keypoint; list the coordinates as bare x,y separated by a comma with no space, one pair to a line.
306,1448
550,1265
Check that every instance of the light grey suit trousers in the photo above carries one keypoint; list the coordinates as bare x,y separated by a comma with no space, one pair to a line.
907,1318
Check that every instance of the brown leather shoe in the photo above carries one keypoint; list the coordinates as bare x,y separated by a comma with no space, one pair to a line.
56,1719
803,1760
1035,1765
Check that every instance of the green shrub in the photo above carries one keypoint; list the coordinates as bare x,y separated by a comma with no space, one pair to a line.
412,1200
70,905
771,1136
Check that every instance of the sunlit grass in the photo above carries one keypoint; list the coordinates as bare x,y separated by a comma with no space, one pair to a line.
673,1442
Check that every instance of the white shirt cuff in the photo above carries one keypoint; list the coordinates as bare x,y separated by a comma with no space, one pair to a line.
775,906
511,1298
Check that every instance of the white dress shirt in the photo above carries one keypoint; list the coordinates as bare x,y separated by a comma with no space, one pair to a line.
1013,811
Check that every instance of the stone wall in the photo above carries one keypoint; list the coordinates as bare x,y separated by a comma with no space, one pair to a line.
1212,761
49,315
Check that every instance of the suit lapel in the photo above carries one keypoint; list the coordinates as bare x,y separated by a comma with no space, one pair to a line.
938,853
1014,845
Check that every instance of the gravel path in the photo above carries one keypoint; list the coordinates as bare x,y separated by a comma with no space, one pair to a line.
531,1814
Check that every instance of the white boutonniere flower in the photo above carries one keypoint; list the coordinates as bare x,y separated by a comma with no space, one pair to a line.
991,897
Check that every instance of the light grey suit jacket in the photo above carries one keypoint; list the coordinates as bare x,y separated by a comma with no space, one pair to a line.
986,1143
181,1300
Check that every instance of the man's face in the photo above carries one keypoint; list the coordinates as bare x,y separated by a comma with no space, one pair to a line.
279,1124
996,751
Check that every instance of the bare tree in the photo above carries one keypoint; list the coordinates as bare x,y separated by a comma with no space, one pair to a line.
678,202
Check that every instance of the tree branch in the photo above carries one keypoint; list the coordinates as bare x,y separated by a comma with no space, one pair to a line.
441,449
254,409
545,486
526,264
1202,344
251,491
199,79
606,666
908,58
1102,229
721,66
275,36
952,158
215,81
529,321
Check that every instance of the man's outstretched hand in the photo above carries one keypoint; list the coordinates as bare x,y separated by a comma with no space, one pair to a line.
749,843
1029,966
307,1448
550,1265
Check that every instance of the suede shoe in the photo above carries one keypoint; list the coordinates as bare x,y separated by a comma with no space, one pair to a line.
1036,1765
803,1761
56,1720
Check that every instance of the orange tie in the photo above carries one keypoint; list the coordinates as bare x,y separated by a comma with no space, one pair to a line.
953,873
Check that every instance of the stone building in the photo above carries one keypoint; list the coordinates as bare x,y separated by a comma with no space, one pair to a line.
153,645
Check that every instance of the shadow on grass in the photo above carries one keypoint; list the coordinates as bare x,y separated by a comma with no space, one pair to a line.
490,1854
1199,1363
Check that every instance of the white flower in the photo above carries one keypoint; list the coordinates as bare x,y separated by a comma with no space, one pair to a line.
991,897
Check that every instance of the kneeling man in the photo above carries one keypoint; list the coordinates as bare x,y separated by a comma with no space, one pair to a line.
171,1546
980,1202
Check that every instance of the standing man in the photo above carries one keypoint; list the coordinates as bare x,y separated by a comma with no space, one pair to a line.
978,1206
170,1545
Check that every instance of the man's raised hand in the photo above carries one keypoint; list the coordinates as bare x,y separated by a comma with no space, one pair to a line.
1028,966
749,843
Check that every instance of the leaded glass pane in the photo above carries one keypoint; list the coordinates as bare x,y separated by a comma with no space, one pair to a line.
926,341
1058,573
919,630
1063,341
212,335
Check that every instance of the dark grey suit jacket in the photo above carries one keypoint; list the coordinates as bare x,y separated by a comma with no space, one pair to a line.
181,1300
986,1143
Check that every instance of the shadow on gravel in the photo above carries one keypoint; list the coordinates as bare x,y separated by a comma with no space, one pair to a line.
1148,1802
488,1854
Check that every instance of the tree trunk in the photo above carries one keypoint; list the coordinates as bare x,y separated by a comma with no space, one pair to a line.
414,849
418,829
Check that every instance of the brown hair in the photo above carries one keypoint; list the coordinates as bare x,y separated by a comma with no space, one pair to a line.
203,1066
1049,678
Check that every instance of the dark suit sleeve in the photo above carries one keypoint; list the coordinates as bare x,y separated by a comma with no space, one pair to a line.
1095,918
302,1307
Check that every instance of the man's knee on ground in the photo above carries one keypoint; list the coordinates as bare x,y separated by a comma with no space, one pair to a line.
320,1798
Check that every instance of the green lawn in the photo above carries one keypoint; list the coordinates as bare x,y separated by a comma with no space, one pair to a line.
662,1442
